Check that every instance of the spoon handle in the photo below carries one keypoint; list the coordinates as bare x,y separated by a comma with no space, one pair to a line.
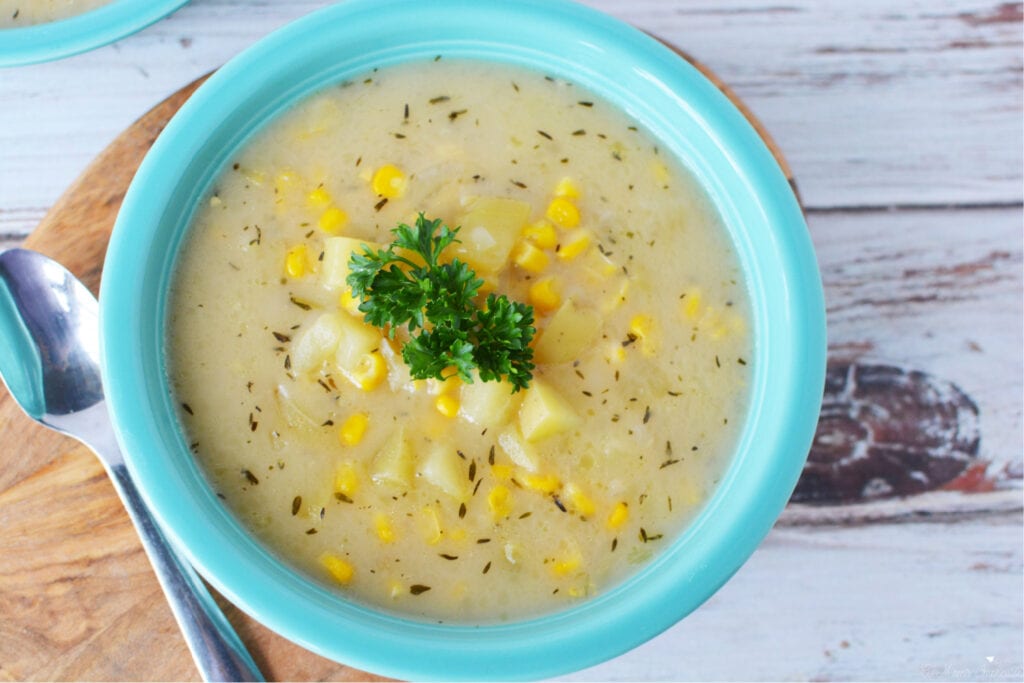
218,652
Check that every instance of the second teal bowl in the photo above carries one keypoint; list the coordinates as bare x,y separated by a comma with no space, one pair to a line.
87,31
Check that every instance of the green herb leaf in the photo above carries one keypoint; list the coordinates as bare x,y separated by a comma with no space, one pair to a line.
406,284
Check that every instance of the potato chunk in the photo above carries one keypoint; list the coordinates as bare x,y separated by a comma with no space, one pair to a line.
357,339
443,468
569,333
393,463
488,231
545,413
487,403
337,252
517,451
318,342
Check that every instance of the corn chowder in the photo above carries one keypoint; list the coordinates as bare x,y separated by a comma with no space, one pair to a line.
19,13
454,500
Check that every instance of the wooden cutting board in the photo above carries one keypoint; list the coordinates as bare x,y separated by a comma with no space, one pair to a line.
77,596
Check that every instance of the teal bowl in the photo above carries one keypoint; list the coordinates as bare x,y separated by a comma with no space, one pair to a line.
87,31
689,116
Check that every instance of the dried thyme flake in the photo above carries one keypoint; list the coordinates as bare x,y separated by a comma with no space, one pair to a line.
250,477
418,588
448,557
296,505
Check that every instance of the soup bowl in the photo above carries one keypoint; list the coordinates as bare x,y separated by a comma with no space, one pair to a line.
690,118
80,33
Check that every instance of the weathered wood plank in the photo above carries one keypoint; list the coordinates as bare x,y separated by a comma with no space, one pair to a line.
907,602
938,291
874,103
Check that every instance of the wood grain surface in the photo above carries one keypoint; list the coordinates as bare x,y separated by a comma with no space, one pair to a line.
902,121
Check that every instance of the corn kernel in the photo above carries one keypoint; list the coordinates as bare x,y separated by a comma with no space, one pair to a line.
501,471
340,570
563,213
382,525
447,405
579,501
395,589
353,429
370,372
458,534
430,525
577,591
618,515
389,182
529,257
542,234
499,500
643,328
566,566
319,197
692,304
332,220
295,261
567,188
545,483
349,302
346,479
449,385
544,295
573,245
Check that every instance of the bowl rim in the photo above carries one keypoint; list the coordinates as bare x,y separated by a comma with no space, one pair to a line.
82,32
729,159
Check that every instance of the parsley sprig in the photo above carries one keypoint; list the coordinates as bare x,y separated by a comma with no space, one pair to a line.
436,301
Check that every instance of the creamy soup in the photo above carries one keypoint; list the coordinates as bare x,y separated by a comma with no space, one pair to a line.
18,13
450,500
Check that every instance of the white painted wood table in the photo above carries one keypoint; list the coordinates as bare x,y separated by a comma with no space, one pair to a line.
902,121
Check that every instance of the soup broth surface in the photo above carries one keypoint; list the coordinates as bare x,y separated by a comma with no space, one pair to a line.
20,13
447,500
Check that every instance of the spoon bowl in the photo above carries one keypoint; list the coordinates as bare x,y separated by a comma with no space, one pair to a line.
49,360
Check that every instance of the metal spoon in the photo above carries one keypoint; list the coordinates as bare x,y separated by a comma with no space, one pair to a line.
49,360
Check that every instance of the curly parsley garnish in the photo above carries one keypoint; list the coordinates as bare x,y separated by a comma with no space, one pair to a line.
436,302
